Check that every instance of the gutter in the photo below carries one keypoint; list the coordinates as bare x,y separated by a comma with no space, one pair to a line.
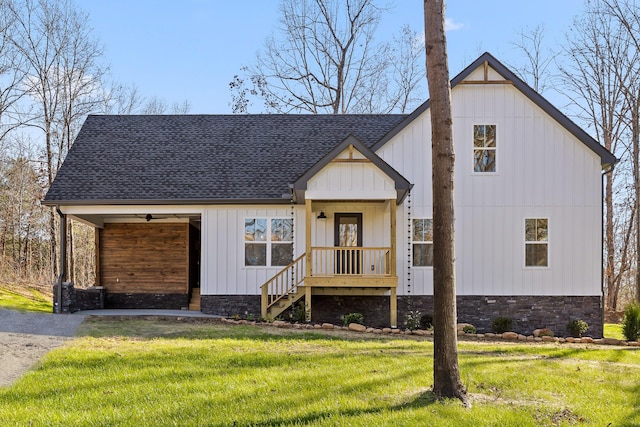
63,258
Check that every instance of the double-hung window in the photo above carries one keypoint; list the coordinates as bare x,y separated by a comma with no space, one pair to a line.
422,242
268,241
536,242
484,148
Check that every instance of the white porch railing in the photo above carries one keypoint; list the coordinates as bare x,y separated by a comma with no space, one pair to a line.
350,261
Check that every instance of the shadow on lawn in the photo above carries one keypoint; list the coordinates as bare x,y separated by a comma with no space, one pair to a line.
420,401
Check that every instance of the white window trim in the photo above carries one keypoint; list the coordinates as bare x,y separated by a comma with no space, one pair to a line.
496,149
268,242
526,242
412,242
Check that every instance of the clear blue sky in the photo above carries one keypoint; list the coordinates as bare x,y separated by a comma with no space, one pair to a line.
191,49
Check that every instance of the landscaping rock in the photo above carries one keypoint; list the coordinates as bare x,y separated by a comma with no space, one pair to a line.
369,330
547,338
316,326
610,341
461,326
386,330
510,336
490,335
633,344
356,327
377,331
327,326
571,339
395,331
586,340
522,337
279,323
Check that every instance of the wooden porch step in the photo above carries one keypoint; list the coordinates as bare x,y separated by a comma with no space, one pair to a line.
194,303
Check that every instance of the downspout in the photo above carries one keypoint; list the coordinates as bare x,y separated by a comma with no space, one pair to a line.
63,257
605,171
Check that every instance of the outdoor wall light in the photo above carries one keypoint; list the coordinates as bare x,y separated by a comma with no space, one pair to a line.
322,215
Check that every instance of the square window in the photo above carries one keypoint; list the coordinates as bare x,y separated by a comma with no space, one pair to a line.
268,242
255,254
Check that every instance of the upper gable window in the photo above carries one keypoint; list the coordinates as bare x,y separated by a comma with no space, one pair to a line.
484,148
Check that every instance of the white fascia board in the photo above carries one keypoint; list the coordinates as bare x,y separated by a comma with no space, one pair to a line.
133,210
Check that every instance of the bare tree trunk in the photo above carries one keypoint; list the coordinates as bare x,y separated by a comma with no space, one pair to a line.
446,374
635,136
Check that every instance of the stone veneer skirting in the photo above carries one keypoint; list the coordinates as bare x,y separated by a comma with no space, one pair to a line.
151,301
528,312
231,305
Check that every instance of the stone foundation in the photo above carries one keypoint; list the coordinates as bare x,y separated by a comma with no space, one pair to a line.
527,312
151,301
332,308
231,305
78,299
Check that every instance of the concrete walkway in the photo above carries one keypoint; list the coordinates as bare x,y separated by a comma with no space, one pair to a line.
143,312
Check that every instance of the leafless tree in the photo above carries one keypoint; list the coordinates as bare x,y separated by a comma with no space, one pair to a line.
326,60
157,105
539,58
594,74
446,374
60,59
626,15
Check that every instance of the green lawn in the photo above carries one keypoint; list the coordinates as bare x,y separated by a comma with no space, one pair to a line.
144,372
27,300
613,330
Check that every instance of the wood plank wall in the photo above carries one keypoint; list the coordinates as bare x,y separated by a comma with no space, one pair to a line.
144,258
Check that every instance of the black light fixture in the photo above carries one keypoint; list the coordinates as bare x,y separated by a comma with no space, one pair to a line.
322,215
149,217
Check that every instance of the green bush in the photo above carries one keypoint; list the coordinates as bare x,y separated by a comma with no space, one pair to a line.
299,313
469,329
631,322
426,321
353,318
501,325
413,320
577,327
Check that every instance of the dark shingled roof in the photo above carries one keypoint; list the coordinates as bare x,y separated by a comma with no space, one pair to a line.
201,158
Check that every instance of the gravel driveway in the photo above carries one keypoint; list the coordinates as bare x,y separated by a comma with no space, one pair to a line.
26,337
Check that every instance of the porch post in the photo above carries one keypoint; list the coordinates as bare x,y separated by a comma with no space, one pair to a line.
392,228
307,288
308,237
394,308
393,297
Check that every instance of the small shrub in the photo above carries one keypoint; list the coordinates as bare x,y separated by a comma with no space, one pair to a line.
413,320
469,329
236,317
353,318
501,325
577,327
631,322
426,321
299,313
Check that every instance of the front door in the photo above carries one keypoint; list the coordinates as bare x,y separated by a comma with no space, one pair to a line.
348,237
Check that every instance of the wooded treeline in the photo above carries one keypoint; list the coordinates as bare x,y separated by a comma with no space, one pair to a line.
52,74
326,57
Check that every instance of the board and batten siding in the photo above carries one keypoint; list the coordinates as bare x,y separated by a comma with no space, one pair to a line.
223,269
144,257
543,171
350,181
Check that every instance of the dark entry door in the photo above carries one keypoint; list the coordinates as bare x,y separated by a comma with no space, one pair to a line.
348,237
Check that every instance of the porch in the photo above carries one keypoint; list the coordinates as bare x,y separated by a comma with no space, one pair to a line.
347,269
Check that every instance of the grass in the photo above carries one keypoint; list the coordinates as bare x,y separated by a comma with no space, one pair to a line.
613,330
28,299
135,372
